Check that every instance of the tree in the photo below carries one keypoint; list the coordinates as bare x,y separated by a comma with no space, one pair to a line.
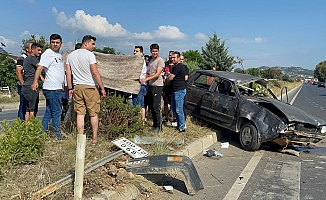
253,71
106,50
239,70
7,71
192,65
320,71
271,73
41,40
192,55
215,54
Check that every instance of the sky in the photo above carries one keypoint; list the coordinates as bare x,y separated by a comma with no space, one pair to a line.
261,32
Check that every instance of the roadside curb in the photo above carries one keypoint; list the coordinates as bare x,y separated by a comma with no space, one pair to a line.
130,191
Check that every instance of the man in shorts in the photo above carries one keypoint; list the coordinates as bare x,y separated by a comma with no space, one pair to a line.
81,63
30,65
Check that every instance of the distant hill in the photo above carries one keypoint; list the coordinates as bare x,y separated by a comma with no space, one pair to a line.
292,71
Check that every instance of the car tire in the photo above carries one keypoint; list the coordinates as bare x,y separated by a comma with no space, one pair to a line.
248,137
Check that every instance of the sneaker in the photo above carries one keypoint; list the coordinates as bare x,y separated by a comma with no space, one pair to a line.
181,130
164,120
175,124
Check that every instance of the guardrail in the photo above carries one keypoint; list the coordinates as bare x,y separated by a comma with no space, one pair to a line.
6,89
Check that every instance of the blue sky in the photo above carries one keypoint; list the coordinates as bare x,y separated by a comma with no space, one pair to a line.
262,32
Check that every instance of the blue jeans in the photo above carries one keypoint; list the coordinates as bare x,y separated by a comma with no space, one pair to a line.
177,107
53,110
138,99
22,103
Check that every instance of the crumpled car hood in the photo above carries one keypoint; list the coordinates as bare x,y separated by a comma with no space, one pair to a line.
294,114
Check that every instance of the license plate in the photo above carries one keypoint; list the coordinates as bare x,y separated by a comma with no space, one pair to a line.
130,148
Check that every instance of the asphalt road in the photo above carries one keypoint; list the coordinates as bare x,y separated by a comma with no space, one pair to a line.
11,114
267,173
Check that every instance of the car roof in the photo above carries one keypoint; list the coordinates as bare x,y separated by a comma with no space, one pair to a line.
237,78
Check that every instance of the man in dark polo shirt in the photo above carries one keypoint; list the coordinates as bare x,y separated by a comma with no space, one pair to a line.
177,78
30,64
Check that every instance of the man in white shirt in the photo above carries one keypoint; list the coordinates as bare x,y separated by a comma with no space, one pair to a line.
81,63
52,62
138,99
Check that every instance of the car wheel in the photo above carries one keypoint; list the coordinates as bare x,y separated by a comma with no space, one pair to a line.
249,137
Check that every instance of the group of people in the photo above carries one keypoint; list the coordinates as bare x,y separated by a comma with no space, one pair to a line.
80,77
159,79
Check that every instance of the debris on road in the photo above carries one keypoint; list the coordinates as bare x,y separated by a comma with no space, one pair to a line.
212,153
290,151
168,188
225,145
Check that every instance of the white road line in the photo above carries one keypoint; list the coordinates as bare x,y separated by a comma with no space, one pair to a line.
244,177
280,180
296,95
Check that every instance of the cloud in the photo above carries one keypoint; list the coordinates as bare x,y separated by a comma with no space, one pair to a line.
169,32
96,24
11,46
143,36
247,41
201,37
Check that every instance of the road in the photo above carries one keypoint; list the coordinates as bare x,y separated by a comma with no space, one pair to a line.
11,114
264,174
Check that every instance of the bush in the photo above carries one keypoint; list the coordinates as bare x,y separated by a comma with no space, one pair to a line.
117,118
22,143
275,83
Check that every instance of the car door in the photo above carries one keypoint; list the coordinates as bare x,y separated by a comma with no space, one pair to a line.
226,102
198,95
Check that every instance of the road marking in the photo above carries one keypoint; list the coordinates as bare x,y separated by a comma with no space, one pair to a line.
280,180
296,95
244,177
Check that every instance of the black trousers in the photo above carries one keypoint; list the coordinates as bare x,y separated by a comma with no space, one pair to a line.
155,96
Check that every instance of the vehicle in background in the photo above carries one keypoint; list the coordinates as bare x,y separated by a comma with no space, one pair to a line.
244,104
315,83
321,84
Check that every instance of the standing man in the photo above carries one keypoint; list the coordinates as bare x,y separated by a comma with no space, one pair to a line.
19,75
81,63
51,61
138,99
30,65
156,66
182,58
178,82
167,89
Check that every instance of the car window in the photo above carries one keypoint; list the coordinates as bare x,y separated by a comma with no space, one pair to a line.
203,81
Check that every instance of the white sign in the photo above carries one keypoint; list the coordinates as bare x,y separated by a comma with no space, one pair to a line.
130,148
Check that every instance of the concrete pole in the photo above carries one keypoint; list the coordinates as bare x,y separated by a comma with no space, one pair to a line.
80,162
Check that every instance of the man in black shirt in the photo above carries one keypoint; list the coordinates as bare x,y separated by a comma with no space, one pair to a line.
30,64
177,78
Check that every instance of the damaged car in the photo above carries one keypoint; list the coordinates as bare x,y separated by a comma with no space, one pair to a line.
244,104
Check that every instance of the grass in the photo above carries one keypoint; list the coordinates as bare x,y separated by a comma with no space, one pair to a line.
289,85
14,97
59,158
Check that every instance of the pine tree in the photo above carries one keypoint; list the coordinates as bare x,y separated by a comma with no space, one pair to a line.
215,54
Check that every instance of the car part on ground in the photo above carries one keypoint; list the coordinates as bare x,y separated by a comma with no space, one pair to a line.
168,166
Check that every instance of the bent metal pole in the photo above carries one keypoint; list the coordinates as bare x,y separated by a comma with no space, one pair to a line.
79,171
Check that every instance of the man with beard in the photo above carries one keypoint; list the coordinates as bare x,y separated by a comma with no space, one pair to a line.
51,61
177,78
